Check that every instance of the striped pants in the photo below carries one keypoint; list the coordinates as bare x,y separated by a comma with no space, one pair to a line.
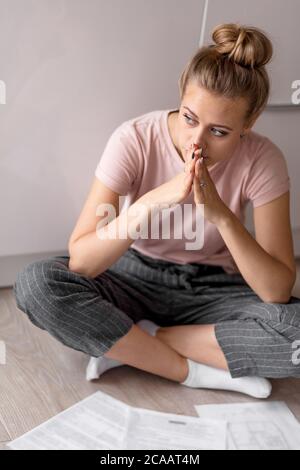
91,314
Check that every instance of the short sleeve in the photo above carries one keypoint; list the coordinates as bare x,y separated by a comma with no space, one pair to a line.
118,167
268,176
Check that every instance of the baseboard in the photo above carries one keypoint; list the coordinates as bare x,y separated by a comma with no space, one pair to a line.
11,265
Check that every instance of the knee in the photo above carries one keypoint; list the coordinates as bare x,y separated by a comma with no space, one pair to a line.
33,283
295,368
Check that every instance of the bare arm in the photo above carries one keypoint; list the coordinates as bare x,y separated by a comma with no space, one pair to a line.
267,263
91,250
91,254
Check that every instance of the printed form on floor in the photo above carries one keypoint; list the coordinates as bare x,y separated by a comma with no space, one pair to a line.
256,426
101,422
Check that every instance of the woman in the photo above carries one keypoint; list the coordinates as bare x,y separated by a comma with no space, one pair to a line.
219,315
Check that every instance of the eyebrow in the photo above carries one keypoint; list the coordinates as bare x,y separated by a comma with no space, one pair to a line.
217,125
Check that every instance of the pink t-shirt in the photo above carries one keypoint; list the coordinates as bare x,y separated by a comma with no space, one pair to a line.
140,155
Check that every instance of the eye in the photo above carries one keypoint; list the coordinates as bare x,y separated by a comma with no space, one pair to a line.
189,120
221,134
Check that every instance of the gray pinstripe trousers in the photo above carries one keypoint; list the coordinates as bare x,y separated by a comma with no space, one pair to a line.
91,314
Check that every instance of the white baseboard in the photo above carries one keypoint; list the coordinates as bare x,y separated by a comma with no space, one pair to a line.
11,265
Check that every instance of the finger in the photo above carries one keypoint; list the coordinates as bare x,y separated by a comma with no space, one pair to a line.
195,154
199,173
198,169
198,192
188,182
189,178
190,168
205,173
203,165
195,157
190,164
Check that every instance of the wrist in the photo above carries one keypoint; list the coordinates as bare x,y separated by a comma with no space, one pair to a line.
142,210
226,219
149,205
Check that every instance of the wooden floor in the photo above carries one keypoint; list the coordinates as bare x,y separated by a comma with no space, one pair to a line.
42,378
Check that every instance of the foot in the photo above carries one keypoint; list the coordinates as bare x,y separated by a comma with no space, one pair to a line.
98,365
202,376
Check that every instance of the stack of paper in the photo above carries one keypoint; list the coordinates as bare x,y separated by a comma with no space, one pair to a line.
102,422
256,426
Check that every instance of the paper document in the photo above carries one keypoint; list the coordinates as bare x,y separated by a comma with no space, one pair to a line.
102,422
256,426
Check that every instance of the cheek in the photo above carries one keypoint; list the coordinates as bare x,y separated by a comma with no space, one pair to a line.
225,149
219,148
228,142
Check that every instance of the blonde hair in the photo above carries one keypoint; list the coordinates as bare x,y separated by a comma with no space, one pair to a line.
233,67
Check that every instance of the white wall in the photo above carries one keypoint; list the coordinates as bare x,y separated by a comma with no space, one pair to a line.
75,70
282,124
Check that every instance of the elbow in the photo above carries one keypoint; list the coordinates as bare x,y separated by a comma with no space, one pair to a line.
81,269
72,265
75,268
73,260
79,265
282,295
278,298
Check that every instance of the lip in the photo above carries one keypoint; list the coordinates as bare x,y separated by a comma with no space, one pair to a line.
204,155
196,147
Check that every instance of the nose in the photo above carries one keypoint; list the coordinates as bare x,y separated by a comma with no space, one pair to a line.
197,147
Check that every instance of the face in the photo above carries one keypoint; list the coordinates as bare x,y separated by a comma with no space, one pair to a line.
216,127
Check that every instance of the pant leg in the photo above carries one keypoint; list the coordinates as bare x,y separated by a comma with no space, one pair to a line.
83,313
257,338
90,315
262,339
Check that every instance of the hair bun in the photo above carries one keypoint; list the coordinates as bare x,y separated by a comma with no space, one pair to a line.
245,45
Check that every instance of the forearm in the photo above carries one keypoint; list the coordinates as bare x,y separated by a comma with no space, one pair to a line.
95,252
270,279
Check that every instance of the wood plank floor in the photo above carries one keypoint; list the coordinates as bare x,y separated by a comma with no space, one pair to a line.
43,377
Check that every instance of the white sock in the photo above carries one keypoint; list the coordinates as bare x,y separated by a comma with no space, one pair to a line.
149,326
202,376
98,365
